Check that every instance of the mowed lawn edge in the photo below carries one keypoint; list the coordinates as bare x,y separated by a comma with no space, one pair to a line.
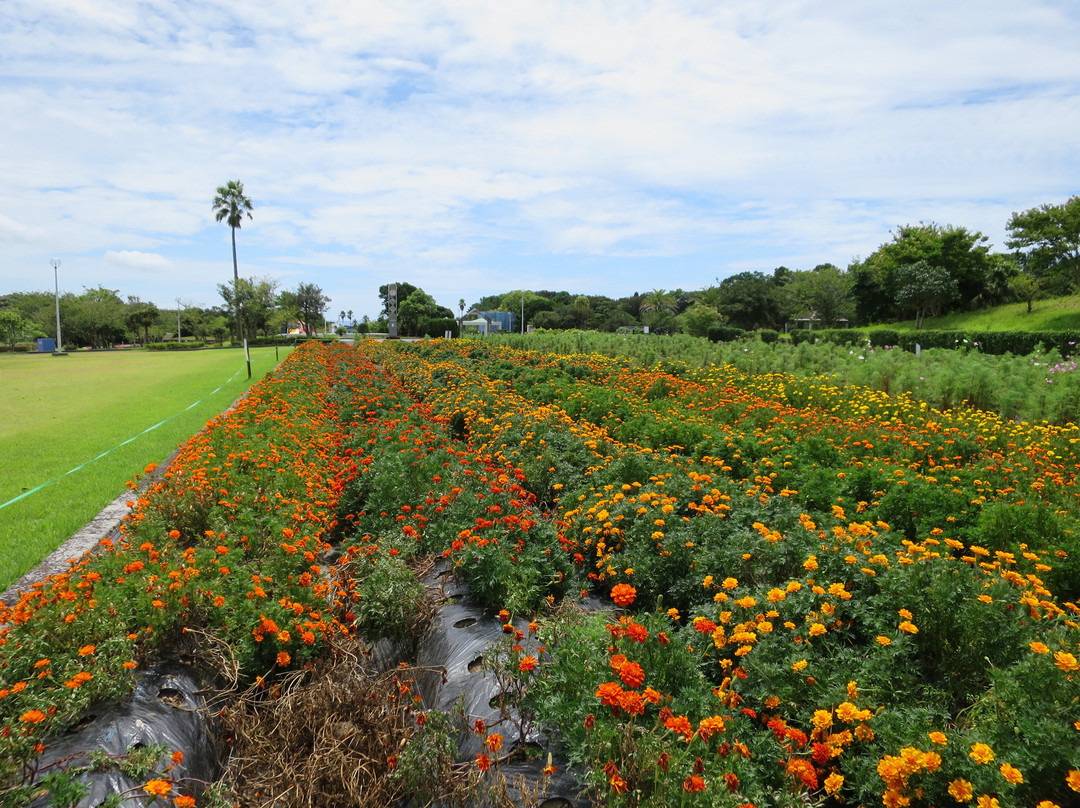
63,412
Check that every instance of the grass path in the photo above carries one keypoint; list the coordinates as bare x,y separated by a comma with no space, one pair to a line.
62,412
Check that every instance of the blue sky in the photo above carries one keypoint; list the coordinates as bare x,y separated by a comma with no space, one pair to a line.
472,148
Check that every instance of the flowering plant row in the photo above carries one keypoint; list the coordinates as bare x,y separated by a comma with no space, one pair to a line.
809,646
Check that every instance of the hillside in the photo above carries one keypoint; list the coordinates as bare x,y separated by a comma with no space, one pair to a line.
1050,314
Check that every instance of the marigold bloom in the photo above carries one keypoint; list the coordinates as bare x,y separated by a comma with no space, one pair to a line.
1066,661
908,627
283,659
833,783
184,801
632,702
960,790
1039,647
32,717
981,753
817,629
618,785
527,664
1011,773
693,783
680,724
1072,780
483,762
730,583
938,738
494,742
632,674
86,650
882,640
158,787
986,801
623,594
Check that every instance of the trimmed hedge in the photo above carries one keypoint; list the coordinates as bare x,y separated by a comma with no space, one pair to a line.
723,333
997,343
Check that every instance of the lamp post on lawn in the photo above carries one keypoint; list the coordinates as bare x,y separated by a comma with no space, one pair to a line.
56,280
178,319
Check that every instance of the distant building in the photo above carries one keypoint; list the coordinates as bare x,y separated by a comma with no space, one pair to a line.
487,322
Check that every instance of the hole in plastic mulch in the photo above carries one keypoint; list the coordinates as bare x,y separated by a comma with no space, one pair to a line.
465,622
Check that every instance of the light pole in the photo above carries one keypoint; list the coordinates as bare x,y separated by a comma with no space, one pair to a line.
178,319
523,310
56,280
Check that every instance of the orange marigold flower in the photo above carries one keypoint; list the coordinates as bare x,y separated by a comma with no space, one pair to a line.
283,659
618,785
177,757
1066,661
693,783
986,801
1039,647
632,702
981,753
833,783
174,534
1072,780
32,717
1011,773
609,693
86,650
527,664
131,665
184,801
908,627
632,674
680,724
158,787
623,594
883,640
960,790
483,762
494,742
938,738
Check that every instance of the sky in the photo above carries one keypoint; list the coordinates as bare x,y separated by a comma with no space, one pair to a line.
475,147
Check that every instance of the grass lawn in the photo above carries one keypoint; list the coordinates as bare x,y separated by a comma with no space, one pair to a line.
60,412
1052,314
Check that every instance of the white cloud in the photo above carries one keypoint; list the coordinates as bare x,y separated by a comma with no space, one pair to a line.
444,140
139,261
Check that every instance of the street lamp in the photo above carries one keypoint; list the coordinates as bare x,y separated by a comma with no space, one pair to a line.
59,348
177,319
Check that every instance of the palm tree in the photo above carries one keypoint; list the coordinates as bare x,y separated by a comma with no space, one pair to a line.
230,205
658,300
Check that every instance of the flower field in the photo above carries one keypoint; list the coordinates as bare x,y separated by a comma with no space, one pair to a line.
812,594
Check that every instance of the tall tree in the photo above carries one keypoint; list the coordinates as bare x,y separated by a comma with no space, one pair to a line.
925,288
656,301
1048,238
310,305
140,316
14,327
230,206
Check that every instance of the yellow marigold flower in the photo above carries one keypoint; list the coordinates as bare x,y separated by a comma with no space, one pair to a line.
1066,661
904,613
707,581
730,583
1012,774
833,783
981,753
810,564
1039,647
938,738
822,719
908,627
1047,804
796,667
817,629
960,790
986,801
1072,780
883,640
